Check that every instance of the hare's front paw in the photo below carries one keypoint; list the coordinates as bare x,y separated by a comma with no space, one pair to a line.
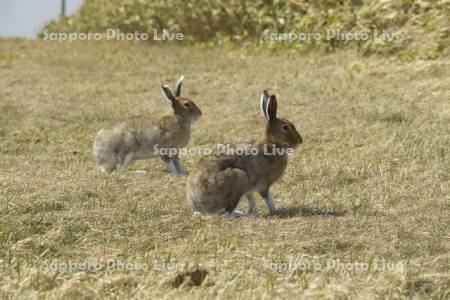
170,166
180,168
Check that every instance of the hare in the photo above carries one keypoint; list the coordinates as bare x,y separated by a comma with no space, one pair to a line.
141,137
217,184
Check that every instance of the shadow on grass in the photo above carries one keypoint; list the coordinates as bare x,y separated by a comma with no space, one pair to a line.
304,211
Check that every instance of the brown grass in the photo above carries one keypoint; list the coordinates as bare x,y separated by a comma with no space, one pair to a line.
371,181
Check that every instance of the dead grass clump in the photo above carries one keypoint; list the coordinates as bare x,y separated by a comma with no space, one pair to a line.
195,278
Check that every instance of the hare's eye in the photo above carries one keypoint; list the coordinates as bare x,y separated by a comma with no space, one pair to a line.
187,104
285,127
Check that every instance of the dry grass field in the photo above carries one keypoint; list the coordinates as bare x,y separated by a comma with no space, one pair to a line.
364,206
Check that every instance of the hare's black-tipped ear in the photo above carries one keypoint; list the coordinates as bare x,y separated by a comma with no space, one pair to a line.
272,108
263,103
168,94
178,87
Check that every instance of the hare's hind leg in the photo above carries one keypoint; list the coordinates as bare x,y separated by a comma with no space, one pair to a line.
251,208
125,161
105,159
217,192
235,184
126,150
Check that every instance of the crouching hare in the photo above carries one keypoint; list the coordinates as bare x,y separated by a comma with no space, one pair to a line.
116,146
221,179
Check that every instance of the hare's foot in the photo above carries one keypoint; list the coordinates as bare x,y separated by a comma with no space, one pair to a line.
234,214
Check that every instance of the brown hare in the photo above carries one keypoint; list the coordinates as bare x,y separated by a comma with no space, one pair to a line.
217,184
116,146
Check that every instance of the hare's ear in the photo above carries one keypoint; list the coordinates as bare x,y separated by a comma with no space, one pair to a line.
168,95
263,103
272,108
178,87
